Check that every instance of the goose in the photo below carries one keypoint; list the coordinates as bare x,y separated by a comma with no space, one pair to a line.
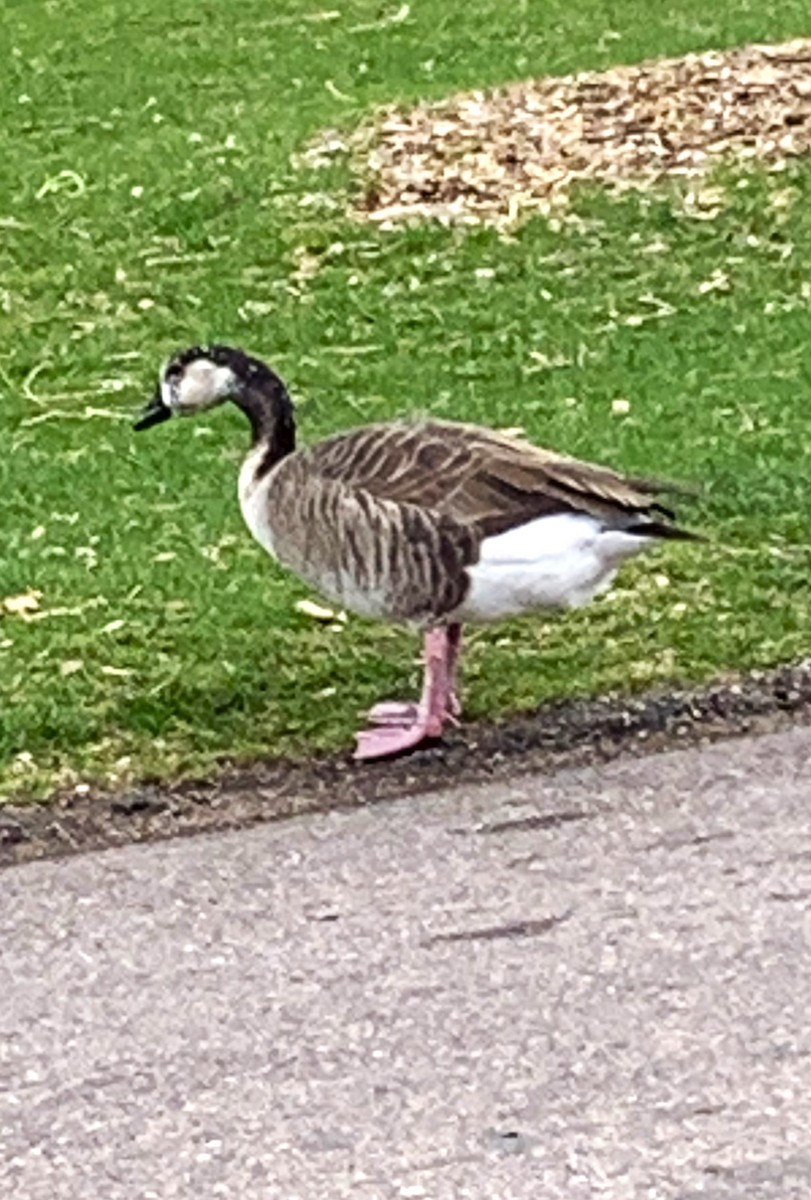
424,522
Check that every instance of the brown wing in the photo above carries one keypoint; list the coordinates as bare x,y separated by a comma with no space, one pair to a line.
485,478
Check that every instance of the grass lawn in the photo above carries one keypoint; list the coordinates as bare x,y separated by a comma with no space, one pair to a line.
150,199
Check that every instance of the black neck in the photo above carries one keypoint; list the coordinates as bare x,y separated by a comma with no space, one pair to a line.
265,401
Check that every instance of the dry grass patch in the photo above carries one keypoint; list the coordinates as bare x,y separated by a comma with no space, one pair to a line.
488,156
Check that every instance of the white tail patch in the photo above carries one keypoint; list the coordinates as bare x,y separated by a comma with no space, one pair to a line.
561,561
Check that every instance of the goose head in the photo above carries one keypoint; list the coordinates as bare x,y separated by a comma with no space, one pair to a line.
194,380
200,378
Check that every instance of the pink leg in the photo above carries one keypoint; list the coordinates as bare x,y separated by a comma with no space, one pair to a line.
404,726
404,712
454,654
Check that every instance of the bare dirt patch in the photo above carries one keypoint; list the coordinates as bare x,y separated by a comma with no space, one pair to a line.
489,156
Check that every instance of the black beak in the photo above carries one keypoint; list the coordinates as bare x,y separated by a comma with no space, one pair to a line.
155,412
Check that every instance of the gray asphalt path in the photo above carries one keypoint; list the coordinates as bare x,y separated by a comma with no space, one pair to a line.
596,984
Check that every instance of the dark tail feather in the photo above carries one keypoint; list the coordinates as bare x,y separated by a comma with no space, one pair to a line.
661,529
658,529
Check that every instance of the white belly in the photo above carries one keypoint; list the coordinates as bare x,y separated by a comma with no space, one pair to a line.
253,500
552,562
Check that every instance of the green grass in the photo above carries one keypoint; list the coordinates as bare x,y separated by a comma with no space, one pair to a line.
150,199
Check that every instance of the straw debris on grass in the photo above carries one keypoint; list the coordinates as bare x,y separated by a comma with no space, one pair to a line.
488,156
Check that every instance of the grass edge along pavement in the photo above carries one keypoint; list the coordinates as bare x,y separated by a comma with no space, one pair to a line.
561,735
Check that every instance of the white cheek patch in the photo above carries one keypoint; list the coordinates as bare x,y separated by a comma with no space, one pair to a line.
203,385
